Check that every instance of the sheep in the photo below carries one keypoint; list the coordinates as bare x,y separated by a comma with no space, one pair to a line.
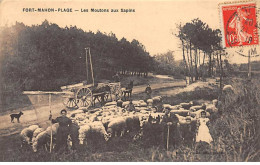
211,108
197,107
182,112
186,105
116,127
143,118
132,123
125,103
44,137
97,126
110,103
93,118
143,104
73,113
82,133
197,113
136,103
80,116
144,111
175,107
157,100
166,106
90,131
27,134
36,133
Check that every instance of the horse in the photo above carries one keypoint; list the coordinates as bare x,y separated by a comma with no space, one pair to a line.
128,90
101,93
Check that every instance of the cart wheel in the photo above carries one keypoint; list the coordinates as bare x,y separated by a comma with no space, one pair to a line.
84,97
70,102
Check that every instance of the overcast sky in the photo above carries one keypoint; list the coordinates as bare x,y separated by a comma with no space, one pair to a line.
152,23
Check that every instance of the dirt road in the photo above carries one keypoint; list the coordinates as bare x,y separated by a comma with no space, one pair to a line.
39,115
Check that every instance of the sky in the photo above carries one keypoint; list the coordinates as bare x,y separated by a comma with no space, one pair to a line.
153,23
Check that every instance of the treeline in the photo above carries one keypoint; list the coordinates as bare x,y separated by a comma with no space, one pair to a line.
201,49
46,56
38,56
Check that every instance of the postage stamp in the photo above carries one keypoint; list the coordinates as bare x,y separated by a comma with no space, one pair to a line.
239,24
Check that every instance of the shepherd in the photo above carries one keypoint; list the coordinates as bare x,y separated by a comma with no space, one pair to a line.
63,130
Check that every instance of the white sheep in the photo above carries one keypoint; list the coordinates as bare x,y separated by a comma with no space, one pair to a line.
166,106
182,112
85,131
175,107
157,99
36,133
44,137
80,116
143,104
116,127
73,113
149,101
211,108
27,133
197,107
110,103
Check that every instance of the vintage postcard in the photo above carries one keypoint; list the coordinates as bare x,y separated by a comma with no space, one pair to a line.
129,81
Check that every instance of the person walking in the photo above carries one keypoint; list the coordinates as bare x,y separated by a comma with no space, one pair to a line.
148,92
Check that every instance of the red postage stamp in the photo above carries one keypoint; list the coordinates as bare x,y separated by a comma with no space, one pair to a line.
239,26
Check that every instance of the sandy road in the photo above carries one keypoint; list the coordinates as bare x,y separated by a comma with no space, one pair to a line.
40,115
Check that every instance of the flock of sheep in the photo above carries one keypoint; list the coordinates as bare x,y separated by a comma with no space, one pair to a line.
112,121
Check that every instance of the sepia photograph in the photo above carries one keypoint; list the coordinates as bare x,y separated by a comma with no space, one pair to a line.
129,81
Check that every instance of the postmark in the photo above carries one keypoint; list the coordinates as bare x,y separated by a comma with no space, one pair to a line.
239,24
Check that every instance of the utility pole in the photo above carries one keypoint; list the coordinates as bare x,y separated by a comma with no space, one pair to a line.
251,53
249,65
87,62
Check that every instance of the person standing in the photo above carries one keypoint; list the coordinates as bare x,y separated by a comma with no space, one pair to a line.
63,130
171,126
148,92
203,131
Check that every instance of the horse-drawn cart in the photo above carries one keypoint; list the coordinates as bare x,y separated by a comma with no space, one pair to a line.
85,95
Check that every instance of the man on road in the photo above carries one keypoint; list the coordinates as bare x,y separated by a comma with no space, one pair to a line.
148,91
